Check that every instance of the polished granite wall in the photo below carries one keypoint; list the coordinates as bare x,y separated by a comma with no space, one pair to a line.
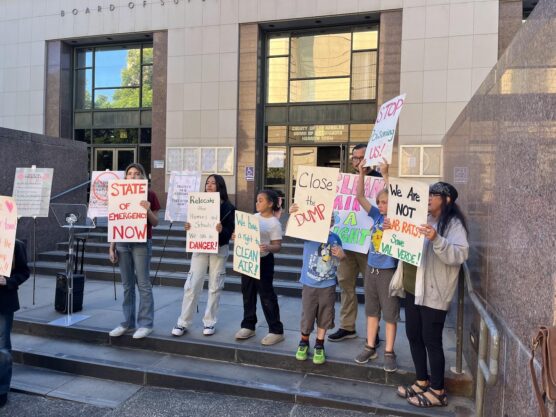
501,155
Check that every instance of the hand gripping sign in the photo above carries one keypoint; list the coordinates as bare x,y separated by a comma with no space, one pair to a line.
127,219
315,190
8,227
381,142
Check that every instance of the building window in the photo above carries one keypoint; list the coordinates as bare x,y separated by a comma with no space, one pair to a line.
420,161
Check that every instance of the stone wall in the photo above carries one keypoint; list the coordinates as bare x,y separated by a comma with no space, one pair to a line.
501,155
69,160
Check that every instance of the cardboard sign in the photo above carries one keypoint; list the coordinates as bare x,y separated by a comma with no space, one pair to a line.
127,219
181,184
203,214
8,227
381,142
351,223
407,210
32,188
247,255
98,196
315,190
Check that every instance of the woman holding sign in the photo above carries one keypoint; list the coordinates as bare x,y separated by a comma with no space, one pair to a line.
135,266
429,289
215,262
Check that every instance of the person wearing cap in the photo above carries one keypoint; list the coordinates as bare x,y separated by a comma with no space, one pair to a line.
429,290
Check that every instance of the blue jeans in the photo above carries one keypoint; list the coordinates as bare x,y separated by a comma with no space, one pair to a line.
135,264
6,320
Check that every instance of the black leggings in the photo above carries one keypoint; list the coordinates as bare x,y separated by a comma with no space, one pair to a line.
269,301
424,326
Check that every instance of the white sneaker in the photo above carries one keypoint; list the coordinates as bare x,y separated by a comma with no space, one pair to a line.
118,331
142,332
208,330
272,339
244,333
178,330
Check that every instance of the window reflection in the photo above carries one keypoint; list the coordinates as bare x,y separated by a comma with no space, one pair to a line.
277,87
328,89
116,98
321,56
363,78
84,89
365,40
279,46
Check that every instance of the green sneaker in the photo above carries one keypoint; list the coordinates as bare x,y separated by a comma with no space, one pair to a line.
318,355
302,352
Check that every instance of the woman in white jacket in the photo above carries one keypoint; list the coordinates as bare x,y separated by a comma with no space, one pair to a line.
429,290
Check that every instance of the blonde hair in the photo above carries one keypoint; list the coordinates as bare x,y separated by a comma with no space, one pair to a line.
380,193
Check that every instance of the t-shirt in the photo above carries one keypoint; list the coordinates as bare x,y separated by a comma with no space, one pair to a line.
270,229
155,206
376,259
319,266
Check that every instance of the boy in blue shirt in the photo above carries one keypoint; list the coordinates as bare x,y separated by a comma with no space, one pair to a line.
318,276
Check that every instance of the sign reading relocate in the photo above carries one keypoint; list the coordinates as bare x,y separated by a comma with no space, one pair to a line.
203,214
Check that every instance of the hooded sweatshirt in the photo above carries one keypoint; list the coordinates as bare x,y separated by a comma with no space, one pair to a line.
437,277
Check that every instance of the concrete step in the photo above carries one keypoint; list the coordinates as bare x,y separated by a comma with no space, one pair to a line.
142,366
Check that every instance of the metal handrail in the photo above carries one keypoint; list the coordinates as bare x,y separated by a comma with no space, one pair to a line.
69,190
487,372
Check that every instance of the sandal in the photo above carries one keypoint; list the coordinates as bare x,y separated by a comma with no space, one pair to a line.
425,402
409,391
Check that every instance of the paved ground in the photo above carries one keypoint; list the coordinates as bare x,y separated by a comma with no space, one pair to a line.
157,402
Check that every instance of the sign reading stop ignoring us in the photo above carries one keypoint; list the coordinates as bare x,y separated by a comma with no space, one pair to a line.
315,190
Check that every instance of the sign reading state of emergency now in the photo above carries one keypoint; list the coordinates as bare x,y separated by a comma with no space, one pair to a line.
127,219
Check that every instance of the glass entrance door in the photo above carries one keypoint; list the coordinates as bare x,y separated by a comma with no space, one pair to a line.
321,156
114,159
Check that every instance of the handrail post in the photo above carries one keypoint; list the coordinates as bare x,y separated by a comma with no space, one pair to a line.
459,324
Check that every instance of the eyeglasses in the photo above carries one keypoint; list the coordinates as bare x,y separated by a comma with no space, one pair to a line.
356,158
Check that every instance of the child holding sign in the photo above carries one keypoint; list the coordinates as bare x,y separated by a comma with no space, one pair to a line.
215,262
135,267
271,242
318,276
429,289
379,272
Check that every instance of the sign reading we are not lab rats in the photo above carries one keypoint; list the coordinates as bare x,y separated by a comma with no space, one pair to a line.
407,211
247,253
353,224
127,219
315,190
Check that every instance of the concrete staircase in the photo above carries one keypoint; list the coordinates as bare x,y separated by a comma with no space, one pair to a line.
217,363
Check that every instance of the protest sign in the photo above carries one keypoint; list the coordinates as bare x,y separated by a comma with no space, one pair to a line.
98,196
381,142
8,226
315,190
351,223
181,184
407,210
247,259
203,214
127,219
32,188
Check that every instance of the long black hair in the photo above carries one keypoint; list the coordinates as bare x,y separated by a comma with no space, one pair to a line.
220,186
450,209
272,196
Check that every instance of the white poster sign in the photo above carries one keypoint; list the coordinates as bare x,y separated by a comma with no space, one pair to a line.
127,219
315,190
407,210
351,223
98,196
247,254
8,227
203,213
32,187
381,142
181,184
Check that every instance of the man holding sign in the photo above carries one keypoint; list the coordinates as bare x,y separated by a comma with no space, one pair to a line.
132,213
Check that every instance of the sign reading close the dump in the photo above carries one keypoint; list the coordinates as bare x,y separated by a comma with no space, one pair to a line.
8,227
203,214
407,211
32,188
246,245
351,222
315,190
181,184
127,219
98,197
381,142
